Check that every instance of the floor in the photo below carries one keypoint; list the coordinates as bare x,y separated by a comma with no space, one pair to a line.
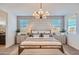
8,51
70,50
13,50
42,52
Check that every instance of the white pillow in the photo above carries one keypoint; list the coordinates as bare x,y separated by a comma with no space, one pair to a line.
35,35
46,35
58,34
47,32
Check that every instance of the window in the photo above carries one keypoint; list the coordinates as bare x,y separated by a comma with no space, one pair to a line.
56,24
23,24
72,25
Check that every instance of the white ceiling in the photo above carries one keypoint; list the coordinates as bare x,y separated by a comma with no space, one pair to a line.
52,8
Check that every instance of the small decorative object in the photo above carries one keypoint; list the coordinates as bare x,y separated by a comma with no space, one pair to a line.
41,34
62,31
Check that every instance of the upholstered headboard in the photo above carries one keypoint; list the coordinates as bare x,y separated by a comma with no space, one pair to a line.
42,31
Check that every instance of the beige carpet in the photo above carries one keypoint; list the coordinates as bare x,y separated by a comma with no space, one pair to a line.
13,50
41,52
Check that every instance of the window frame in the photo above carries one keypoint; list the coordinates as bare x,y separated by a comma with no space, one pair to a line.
71,25
62,23
18,17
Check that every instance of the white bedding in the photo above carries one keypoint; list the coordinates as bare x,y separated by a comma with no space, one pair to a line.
40,41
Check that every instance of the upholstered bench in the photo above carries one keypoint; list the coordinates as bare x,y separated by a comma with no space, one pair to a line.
39,45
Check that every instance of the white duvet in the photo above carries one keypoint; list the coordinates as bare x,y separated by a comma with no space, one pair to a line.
40,41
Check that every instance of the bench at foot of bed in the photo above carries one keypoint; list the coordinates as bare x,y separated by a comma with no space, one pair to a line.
22,47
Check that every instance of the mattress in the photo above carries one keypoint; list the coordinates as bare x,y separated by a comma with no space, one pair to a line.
40,41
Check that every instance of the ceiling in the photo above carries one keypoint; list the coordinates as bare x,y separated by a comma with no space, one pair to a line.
53,8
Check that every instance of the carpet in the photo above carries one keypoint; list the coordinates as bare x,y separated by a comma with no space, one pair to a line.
41,52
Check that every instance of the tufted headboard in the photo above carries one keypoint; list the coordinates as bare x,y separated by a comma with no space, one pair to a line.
41,31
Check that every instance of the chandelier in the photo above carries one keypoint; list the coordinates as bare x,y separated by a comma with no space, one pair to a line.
40,14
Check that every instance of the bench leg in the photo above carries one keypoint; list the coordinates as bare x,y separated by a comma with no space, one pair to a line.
62,49
20,50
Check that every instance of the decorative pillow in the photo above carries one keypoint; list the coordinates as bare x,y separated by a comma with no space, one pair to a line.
50,35
41,35
30,35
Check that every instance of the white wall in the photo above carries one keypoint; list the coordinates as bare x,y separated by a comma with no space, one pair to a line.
11,30
73,39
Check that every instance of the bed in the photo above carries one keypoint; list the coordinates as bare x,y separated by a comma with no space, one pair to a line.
37,42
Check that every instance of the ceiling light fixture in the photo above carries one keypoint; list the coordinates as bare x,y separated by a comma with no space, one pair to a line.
40,14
